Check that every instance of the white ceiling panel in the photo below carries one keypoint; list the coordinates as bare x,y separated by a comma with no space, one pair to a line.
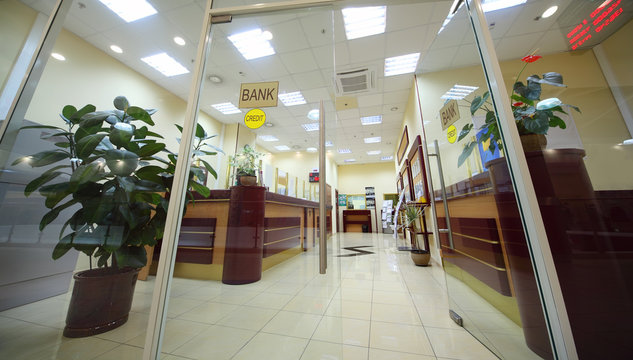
367,48
299,61
288,37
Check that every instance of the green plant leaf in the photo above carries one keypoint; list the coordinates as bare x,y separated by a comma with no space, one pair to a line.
83,174
43,158
200,133
42,127
68,111
140,114
465,131
76,117
490,117
478,102
55,193
522,99
132,256
121,103
209,168
53,213
468,149
62,247
88,144
39,181
94,118
120,138
555,121
200,189
150,149
121,162
179,127
150,173
537,124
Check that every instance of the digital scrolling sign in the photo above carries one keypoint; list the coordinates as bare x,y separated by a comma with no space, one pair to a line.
601,17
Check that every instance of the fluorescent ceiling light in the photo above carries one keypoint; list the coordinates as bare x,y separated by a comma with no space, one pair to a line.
313,114
59,57
116,49
268,138
493,5
311,149
364,21
344,151
282,148
311,127
180,41
549,12
130,10
374,152
328,144
371,140
350,160
165,64
404,64
458,92
385,158
227,108
371,120
253,44
293,98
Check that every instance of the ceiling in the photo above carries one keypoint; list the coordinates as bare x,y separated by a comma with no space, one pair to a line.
311,46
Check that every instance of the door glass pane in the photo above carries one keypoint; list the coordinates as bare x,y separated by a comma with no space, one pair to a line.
490,288
582,172
80,182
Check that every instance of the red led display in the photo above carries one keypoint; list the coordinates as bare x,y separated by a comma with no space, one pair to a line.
601,17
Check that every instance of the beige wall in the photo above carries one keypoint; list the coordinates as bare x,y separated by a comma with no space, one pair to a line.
16,21
354,178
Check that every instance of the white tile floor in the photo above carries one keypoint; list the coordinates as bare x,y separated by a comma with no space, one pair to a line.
371,307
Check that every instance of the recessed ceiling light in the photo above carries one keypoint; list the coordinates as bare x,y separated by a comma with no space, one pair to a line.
626,142
364,21
311,127
116,49
293,98
59,57
227,108
165,64
267,35
458,92
269,124
394,108
268,138
252,44
180,41
350,160
313,114
385,158
344,151
282,148
130,10
311,149
549,12
371,120
328,144
215,79
371,140
493,5
403,64
374,152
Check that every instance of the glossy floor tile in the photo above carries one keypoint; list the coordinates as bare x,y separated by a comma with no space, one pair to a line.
370,307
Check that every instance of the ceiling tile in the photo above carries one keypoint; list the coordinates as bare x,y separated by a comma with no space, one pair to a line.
370,100
299,61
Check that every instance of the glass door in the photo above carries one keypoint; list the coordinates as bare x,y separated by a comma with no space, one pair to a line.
492,290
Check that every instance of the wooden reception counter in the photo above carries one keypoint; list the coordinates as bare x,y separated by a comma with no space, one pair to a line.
233,235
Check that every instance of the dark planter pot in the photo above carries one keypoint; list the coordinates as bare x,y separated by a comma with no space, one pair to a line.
533,142
420,257
101,301
247,180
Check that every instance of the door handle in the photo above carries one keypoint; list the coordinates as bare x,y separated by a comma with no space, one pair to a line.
448,230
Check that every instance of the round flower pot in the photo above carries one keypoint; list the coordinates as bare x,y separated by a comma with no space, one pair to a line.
420,257
101,301
247,180
533,142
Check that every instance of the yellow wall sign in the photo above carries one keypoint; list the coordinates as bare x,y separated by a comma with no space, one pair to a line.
449,113
451,134
255,118
262,94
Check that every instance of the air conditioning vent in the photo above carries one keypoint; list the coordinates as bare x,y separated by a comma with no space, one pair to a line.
355,81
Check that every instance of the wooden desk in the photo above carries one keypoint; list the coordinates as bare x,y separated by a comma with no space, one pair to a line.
353,220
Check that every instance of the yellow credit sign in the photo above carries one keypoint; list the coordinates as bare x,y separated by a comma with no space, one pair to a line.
263,94
449,114
255,118
451,134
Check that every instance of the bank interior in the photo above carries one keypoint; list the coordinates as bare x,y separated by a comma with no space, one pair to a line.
247,279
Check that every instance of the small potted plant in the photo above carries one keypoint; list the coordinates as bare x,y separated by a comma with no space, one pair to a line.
533,117
109,181
412,214
246,165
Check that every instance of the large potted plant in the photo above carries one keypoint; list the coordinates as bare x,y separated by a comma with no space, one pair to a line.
412,214
533,117
110,181
246,164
